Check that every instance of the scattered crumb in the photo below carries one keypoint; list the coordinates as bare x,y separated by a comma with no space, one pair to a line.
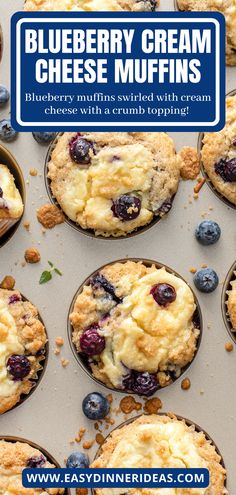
50,216
110,398
80,435
59,341
23,264
201,392
100,439
229,346
128,404
43,230
64,362
57,351
27,225
8,283
195,196
190,167
87,445
185,384
32,255
204,265
81,491
152,406
193,270
199,186
33,172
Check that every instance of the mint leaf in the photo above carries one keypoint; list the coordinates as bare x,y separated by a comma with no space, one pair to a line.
45,277
58,271
50,264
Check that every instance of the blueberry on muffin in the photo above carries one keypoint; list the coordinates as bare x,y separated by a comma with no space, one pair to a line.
231,303
16,456
219,154
93,5
161,442
114,183
135,327
11,205
22,347
226,7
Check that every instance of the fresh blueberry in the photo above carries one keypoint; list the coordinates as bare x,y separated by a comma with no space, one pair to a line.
7,133
91,343
18,366
4,95
163,294
196,319
206,280
208,232
126,207
100,281
77,460
36,461
1,192
44,137
226,169
144,384
80,150
234,142
95,406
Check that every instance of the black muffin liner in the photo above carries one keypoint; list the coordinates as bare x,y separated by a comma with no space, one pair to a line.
48,456
82,362
180,418
40,373
204,173
6,158
226,287
91,232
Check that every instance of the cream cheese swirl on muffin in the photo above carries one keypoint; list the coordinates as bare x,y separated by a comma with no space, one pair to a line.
114,183
226,7
22,344
219,154
161,442
16,456
136,324
93,5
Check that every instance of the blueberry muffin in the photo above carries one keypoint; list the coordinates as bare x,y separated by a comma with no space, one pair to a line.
114,182
226,7
135,327
161,442
22,347
16,456
93,5
11,205
231,303
219,154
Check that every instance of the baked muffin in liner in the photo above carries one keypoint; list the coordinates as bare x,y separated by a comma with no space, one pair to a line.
229,302
125,336
24,349
17,454
225,7
218,156
161,441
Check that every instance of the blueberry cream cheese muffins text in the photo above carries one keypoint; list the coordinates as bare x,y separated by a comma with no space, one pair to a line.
22,348
11,204
226,7
135,326
93,5
161,442
16,456
219,154
114,183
